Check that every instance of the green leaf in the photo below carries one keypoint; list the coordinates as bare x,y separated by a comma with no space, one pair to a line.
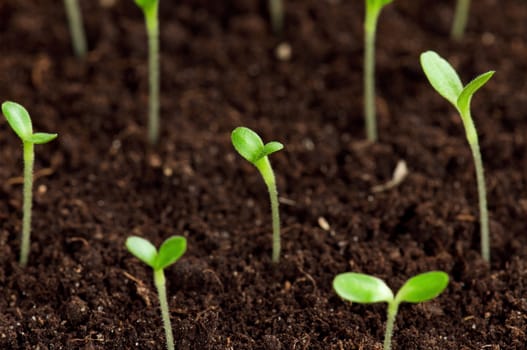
423,287
142,249
441,76
18,118
170,251
248,144
463,101
41,137
272,147
146,5
361,288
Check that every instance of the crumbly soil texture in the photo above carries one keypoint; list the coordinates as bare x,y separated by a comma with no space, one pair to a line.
101,182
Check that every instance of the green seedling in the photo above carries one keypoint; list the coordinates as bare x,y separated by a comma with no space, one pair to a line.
460,19
276,10
78,37
366,289
19,120
373,9
446,82
150,10
170,251
251,147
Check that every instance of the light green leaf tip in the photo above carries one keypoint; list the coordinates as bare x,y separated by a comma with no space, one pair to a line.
423,287
18,118
463,101
272,147
361,288
146,4
441,76
41,137
170,251
142,249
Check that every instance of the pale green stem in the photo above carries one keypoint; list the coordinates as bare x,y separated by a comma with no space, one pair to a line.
460,19
264,166
390,321
276,10
369,75
159,281
76,27
29,157
152,28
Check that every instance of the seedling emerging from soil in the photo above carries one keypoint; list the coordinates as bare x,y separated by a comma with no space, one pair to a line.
276,10
446,82
373,9
76,27
460,19
170,251
19,120
251,147
366,289
150,11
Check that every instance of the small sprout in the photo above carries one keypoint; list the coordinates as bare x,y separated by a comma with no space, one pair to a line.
19,120
251,147
276,10
460,19
373,9
446,82
150,10
366,289
78,37
170,251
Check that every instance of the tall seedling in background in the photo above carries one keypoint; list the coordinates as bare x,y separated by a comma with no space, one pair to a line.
19,120
251,147
276,11
446,82
460,19
373,9
78,37
150,10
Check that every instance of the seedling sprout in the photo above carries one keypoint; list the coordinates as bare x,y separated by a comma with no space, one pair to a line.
150,11
276,10
251,147
78,37
447,83
460,19
373,9
170,251
366,289
19,120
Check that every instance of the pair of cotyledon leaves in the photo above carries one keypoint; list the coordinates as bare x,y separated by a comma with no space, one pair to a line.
19,120
250,146
170,251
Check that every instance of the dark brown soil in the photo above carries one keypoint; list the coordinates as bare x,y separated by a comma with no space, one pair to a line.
99,182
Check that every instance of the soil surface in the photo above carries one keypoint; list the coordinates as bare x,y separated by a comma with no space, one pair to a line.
99,182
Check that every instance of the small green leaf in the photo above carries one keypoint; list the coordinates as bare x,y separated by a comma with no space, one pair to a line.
423,287
18,118
142,249
463,101
441,76
272,147
361,288
248,144
41,137
170,251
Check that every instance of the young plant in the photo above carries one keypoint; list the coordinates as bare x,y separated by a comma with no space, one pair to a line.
76,27
19,120
276,10
446,82
460,19
170,251
366,289
251,147
150,11
373,9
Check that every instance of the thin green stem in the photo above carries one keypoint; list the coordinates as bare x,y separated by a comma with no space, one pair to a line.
76,27
29,157
460,19
390,321
276,10
482,194
264,166
152,28
159,281
369,75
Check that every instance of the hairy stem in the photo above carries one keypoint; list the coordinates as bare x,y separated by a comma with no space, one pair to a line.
153,74
370,25
390,321
76,27
460,19
29,157
159,281
482,195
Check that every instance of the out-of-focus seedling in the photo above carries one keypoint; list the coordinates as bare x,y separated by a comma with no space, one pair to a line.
373,9
19,120
460,19
78,37
446,82
366,289
276,11
251,147
150,10
170,251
